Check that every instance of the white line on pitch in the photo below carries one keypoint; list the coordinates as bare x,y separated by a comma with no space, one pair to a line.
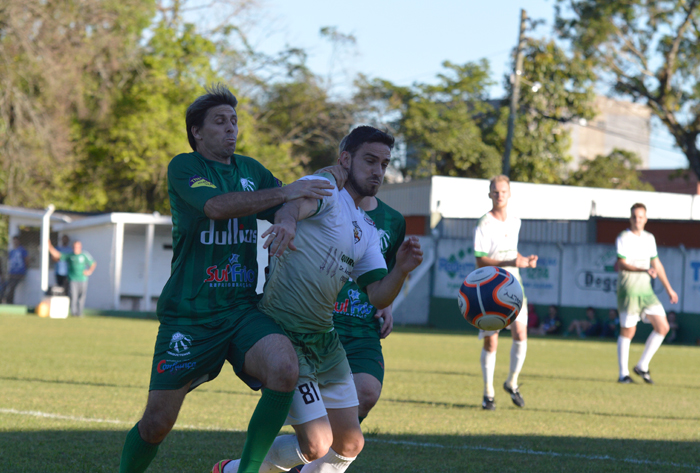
48,415
535,452
393,442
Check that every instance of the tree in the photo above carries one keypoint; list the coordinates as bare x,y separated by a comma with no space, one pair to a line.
441,125
649,50
558,89
617,170
58,61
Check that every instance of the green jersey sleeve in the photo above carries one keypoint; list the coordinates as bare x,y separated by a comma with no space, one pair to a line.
186,176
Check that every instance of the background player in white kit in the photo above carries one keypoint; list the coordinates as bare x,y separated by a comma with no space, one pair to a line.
638,262
496,244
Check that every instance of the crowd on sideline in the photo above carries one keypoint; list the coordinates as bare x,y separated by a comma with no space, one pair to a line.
587,327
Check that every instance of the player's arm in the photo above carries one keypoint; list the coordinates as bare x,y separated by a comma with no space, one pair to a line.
241,204
383,292
55,254
622,264
283,230
661,273
519,261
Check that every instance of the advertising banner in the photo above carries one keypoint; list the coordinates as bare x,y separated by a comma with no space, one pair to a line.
691,285
455,260
541,284
672,259
588,276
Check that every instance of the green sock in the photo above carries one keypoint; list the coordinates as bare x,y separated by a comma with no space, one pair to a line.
360,418
137,453
265,424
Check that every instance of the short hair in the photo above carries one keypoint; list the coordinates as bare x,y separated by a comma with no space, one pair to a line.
364,134
499,178
217,94
638,206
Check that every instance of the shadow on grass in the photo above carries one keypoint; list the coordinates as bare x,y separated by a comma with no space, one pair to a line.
190,451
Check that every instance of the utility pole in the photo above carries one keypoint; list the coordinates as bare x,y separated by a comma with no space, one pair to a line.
515,95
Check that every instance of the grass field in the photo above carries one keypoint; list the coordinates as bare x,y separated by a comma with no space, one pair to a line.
71,389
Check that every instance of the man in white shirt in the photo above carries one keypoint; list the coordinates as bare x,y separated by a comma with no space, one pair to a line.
638,263
496,244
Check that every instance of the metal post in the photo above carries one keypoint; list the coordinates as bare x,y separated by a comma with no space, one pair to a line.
45,234
515,94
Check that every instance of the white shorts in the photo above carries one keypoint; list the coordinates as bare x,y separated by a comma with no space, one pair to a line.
311,401
628,320
521,319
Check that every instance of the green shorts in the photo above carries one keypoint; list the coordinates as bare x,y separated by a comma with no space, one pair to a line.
365,356
196,353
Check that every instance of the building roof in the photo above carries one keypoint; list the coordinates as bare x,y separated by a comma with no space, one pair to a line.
454,197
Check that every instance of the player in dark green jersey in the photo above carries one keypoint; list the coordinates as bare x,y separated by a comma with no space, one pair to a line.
208,309
358,322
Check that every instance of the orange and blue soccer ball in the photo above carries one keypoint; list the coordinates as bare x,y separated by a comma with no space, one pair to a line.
490,298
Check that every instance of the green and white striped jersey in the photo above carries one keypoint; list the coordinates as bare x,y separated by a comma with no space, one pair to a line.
354,315
214,268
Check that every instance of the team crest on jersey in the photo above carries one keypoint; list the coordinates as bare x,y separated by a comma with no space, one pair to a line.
384,239
180,344
197,181
278,183
248,184
369,221
357,231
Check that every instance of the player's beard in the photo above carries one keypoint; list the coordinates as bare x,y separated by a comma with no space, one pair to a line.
363,189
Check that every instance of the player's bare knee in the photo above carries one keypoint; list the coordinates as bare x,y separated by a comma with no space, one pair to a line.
316,446
368,398
352,444
283,374
154,427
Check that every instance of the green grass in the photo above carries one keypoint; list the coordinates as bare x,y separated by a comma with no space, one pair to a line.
71,389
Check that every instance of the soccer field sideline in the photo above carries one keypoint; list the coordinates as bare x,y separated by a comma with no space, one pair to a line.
634,461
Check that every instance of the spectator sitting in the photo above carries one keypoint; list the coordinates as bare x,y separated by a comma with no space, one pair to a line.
585,327
611,328
673,325
552,324
533,321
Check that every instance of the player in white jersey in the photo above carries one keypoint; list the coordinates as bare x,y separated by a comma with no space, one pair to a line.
638,262
334,241
496,244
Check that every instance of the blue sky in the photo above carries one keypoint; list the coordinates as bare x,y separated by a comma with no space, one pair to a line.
407,41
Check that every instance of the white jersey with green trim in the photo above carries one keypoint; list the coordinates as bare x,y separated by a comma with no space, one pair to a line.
498,240
636,250
337,243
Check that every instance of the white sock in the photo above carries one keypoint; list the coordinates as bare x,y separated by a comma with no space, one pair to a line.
283,455
517,358
331,462
653,343
488,367
623,355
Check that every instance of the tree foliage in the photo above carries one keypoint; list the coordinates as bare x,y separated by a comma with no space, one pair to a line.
649,51
441,125
617,170
556,89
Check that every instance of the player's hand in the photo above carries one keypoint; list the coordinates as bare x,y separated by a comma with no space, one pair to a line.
339,173
309,188
281,236
532,261
673,296
409,256
523,261
388,324
652,272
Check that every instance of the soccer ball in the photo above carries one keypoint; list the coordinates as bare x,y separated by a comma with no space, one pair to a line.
490,298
